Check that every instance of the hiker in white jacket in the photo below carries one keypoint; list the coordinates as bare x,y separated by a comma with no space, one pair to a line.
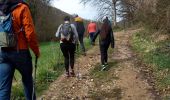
68,36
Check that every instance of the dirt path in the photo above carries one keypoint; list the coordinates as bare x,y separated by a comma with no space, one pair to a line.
123,82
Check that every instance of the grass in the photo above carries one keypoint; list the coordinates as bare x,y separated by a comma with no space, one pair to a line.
156,54
50,67
102,78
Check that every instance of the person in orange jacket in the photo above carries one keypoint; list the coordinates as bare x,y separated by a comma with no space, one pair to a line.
18,57
91,29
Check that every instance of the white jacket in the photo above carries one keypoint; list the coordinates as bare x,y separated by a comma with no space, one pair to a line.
75,36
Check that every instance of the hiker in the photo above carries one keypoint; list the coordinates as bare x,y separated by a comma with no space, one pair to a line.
91,29
14,51
68,38
105,39
78,22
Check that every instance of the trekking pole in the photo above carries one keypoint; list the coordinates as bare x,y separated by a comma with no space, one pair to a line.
78,68
34,79
59,57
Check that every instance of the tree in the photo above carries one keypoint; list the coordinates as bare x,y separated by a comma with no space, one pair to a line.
105,8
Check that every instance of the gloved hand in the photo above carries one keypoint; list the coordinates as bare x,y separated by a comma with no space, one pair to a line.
37,55
112,45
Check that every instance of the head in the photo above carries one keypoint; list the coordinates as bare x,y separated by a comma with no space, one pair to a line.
75,15
10,1
105,18
5,5
66,18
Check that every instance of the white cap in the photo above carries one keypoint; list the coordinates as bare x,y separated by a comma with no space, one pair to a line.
104,18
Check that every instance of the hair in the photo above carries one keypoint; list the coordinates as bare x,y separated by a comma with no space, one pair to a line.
66,18
75,15
105,29
10,1
6,5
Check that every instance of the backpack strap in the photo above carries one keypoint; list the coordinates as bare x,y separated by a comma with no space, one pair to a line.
60,30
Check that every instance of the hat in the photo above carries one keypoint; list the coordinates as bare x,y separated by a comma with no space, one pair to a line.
105,17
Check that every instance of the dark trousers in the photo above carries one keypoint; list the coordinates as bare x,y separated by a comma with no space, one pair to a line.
91,37
68,50
81,36
104,45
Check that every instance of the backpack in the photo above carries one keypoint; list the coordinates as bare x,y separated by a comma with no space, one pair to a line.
7,36
66,33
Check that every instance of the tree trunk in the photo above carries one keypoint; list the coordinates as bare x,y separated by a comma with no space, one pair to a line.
114,12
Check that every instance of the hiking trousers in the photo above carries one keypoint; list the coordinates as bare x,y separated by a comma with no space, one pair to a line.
91,37
81,36
9,61
68,50
104,45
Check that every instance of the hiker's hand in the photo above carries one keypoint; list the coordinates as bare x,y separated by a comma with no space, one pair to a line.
37,55
77,44
58,39
112,45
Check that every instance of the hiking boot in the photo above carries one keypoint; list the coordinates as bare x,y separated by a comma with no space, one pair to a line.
106,64
103,67
72,73
67,74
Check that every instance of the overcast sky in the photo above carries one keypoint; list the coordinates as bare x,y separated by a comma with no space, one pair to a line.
74,7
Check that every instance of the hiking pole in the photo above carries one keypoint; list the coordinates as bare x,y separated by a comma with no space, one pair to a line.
59,56
78,68
34,79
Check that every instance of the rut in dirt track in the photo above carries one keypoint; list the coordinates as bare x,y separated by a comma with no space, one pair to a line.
129,81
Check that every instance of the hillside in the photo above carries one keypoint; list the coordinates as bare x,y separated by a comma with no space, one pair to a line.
47,16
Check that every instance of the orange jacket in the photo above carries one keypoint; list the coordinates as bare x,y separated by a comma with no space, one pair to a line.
91,27
27,38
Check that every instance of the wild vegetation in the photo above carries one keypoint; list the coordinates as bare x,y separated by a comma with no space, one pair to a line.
151,44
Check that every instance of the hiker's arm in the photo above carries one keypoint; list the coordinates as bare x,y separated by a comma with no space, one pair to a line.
57,34
30,30
112,39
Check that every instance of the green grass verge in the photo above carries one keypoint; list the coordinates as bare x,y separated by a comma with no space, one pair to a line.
50,67
156,54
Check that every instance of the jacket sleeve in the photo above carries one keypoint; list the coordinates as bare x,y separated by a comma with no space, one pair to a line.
75,32
112,39
57,34
30,31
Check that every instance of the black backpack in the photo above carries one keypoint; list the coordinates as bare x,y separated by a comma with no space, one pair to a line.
66,33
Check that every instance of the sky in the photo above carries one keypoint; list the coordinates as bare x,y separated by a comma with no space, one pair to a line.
74,7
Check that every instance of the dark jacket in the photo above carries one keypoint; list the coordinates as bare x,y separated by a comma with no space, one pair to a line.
79,25
106,33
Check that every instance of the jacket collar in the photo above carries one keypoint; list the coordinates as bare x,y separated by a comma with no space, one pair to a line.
66,22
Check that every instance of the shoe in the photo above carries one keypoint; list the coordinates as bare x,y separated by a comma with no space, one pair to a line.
67,74
103,67
72,73
106,64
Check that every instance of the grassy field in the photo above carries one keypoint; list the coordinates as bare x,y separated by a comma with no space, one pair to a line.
50,67
155,53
